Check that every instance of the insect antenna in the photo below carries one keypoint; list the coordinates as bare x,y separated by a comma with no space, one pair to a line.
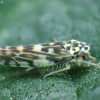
93,36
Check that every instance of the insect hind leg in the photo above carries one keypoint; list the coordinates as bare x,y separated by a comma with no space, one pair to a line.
57,71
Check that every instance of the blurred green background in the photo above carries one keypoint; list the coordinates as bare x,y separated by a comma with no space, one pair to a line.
37,21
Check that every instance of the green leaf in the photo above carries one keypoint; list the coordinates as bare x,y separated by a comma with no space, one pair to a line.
37,21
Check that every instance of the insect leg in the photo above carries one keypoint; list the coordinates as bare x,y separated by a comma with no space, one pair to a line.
57,71
28,69
88,63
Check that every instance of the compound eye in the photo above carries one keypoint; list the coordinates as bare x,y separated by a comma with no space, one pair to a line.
86,48
82,53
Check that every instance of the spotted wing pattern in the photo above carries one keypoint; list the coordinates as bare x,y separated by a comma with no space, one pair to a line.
40,55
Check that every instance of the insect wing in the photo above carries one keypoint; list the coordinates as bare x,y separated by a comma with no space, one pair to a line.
40,55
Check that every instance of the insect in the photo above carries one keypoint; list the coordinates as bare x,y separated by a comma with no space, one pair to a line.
47,55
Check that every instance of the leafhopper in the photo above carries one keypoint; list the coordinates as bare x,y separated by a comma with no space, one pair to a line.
47,55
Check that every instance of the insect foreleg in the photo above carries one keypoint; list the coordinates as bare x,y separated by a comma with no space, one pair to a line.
87,63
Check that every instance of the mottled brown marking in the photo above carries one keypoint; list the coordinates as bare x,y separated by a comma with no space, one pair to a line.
27,50
12,48
7,53
54,59
34,52
44,49
57,50
25,60
7,60
29,56
45,44
50,58
28,46
20,59
31,63
15,51
58,43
